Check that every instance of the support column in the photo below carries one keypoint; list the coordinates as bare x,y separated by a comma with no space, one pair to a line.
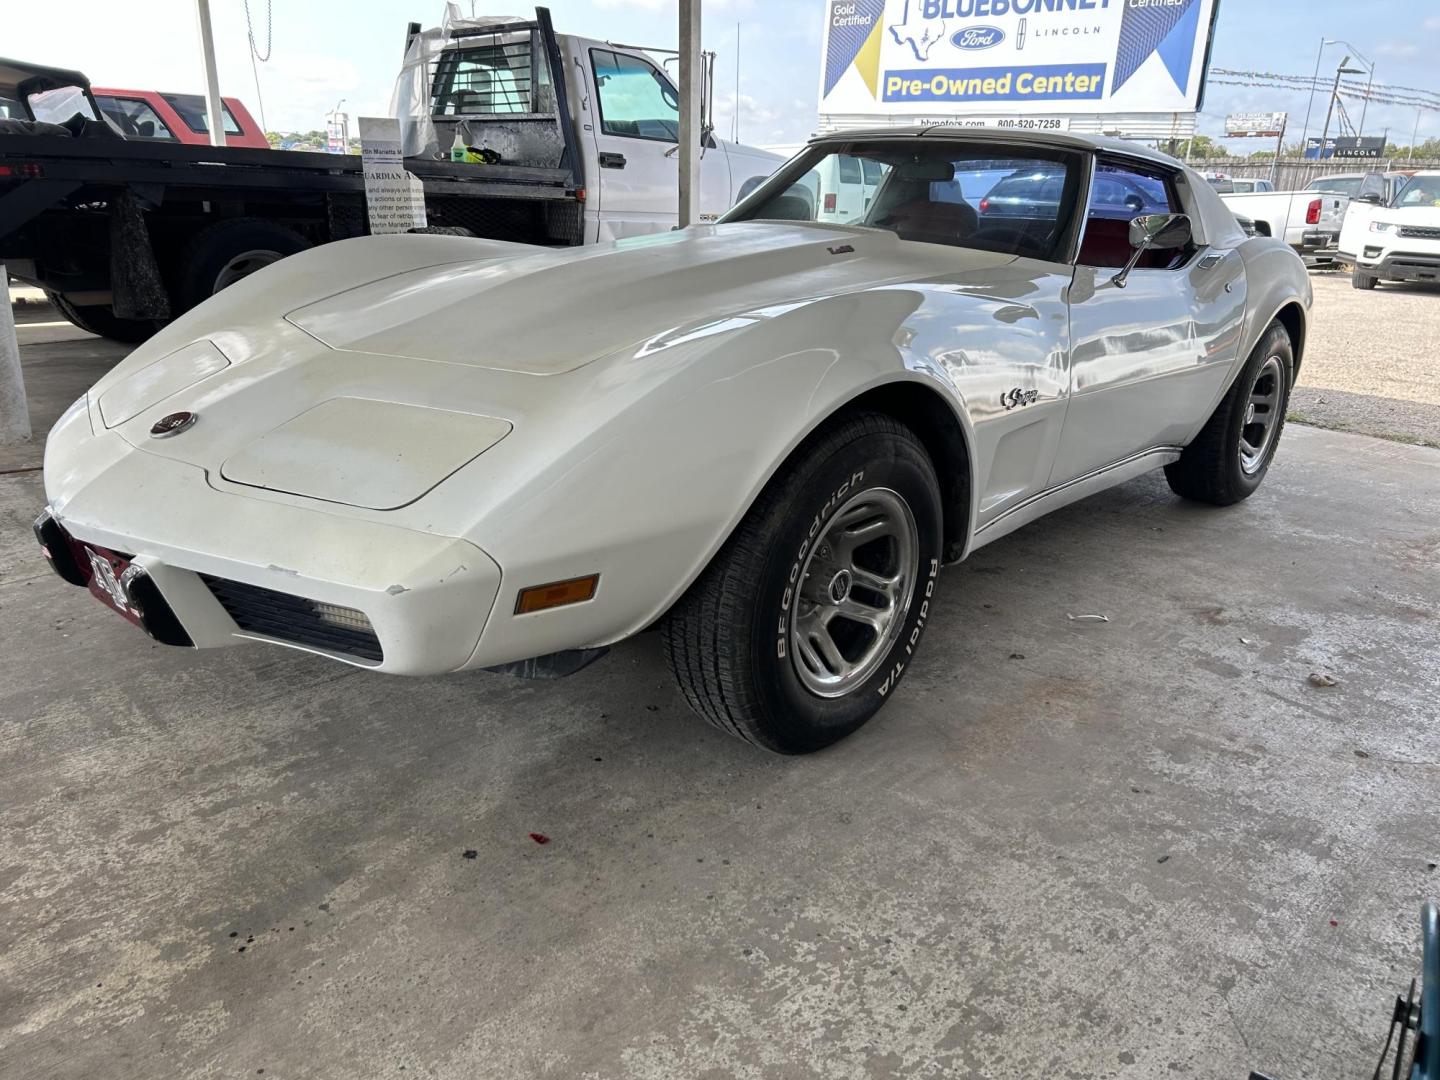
14,409
691,78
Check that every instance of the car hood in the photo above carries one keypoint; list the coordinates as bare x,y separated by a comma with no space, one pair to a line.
419,370
1409,215
549,312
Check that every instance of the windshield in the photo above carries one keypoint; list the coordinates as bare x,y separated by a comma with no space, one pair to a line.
935,192
1336,185
1419,191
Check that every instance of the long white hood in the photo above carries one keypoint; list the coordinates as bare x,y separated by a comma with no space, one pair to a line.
554,311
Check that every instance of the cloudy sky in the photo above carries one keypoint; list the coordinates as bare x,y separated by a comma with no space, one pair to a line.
326,50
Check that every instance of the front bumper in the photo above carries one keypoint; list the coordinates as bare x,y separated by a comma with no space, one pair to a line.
1400,265
226,570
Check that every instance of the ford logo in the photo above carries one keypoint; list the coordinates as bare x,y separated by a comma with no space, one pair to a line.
978,37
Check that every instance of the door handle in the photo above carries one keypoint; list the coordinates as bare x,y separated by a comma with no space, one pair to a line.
1209,262
612,161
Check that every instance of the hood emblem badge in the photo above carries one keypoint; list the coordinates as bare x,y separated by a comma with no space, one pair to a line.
173,424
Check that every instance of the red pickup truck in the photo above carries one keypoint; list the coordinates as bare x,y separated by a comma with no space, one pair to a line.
150,114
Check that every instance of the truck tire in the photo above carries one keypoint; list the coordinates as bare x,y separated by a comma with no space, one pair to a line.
100,320
1229,458
222,254
805,621
1361,280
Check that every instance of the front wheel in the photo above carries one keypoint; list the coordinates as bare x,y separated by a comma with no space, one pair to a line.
803,624
1229,458
1361,280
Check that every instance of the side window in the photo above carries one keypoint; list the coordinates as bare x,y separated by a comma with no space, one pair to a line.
873,170
636,101
1119,194
849,169
191,108
135,118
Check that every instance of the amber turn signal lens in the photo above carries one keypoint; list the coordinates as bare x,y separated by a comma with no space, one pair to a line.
556,594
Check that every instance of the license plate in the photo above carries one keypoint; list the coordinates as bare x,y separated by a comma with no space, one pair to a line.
106,571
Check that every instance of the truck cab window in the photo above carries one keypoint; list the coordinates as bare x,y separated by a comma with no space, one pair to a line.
636,100
191,108
494,79
134,118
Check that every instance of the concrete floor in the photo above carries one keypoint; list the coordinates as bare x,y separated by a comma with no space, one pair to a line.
1134,849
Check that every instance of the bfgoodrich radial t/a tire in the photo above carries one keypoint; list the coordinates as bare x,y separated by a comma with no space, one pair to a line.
805,621
1229,458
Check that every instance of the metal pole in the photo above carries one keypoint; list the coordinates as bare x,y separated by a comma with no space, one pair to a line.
690,79
214,115
1279,149
1366,107
14,409
1334,93
735,120
1305,132
1413,136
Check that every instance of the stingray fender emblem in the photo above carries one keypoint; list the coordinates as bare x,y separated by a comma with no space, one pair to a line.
1011,398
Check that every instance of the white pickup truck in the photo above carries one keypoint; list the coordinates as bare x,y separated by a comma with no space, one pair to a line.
1309,221
1394,240
590,126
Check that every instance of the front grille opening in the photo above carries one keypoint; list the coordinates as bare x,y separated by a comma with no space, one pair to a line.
297,619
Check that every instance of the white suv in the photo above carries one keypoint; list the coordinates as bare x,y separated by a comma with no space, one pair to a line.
1398,240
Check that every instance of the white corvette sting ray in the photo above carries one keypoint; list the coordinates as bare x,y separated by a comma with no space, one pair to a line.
763,437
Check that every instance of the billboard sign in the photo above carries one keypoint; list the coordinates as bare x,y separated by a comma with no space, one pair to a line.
1351,147
1014,57
1255,125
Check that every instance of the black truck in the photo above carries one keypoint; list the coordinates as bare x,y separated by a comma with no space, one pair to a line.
125,233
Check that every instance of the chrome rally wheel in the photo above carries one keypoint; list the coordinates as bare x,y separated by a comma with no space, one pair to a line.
856,585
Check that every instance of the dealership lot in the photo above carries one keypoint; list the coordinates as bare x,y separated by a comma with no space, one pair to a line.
1371,365
1114,849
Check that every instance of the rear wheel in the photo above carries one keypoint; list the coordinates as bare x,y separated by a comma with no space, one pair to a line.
1229,458
101,320
806,620
222,254
1361,280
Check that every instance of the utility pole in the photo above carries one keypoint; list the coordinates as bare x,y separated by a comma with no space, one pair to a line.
214,110
1334,95
691,76
1305,132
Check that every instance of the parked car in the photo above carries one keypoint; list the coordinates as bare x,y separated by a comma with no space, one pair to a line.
1308,221
763,437
1020,192
1398,240
1384,185
182,118
1226,185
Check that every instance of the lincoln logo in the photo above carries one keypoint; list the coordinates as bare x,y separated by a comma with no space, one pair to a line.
1018,396
978,37
173,424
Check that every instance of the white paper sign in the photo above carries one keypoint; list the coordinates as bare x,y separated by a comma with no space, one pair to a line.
394,198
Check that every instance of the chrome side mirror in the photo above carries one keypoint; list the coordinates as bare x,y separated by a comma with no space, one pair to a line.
1160,232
